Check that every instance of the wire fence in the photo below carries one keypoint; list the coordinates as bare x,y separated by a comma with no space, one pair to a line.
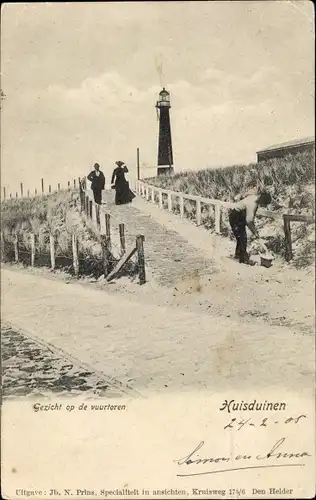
88,265
112,257
42,189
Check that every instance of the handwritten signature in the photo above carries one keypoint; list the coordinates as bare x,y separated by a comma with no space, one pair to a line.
238,424
276,453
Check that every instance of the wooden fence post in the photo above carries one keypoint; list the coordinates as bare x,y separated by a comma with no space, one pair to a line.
35,192
147,192
98,218
42,181
90,209
122,238
74,183
16,247
87,205
108,227
198,212
153,195
94,212
160,199
82,199
81,194
52,251
21,188
16,195
75,254
181,200
288,238
28,193
106,253
32,249
68,184
169,202
2,246
4,193
49,189
138,168
58,186
217,218
141,259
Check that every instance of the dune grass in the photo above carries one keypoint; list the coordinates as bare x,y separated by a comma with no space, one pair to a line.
228,182
290,180
57,214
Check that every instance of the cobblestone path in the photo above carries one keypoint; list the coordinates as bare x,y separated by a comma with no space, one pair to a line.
169,256
30,369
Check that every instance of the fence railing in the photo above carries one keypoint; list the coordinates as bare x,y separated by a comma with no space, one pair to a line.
148,191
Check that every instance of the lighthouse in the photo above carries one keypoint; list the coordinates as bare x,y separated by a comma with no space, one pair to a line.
165,155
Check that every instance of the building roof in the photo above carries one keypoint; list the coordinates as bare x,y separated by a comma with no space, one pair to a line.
289,144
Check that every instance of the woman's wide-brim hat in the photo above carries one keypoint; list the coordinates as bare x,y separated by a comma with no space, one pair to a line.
119,163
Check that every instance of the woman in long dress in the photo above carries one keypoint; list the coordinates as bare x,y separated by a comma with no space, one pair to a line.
123,194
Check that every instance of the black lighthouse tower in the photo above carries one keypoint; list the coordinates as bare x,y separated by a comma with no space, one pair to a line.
165,156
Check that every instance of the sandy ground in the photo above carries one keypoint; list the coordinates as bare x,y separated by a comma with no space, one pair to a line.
154,348
197,272
202,320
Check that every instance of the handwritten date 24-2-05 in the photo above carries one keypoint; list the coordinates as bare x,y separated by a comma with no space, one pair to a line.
239,423
277,455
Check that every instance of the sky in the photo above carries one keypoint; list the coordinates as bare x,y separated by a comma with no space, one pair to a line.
82,79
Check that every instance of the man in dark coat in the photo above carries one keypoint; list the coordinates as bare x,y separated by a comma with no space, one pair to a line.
97,183
242,215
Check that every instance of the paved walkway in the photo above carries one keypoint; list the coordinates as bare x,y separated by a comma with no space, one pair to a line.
169,256
152,348
190,259
35,370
